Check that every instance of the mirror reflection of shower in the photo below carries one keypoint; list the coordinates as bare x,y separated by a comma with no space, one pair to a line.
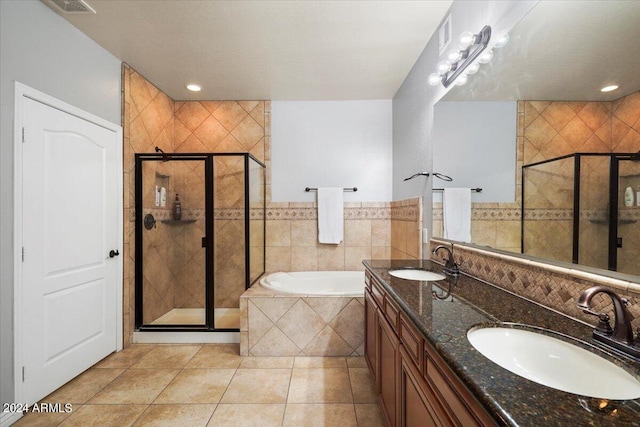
199,238
587,205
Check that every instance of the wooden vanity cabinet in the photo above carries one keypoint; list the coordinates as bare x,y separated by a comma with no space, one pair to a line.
371,337
415,385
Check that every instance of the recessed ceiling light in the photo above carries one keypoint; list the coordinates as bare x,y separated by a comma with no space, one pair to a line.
194,87
609,88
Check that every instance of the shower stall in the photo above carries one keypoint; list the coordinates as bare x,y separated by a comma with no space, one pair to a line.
577,208
199,238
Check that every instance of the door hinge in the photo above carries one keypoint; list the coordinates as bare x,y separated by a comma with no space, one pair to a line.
23,373
23,138
23,254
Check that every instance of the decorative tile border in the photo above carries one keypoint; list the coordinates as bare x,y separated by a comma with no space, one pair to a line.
407,209
556,287
350,213
486,214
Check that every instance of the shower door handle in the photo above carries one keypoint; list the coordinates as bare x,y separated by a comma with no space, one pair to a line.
204,242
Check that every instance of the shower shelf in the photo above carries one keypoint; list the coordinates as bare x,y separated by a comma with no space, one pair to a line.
177,221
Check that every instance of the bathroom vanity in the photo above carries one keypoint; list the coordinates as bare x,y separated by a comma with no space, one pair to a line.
427,372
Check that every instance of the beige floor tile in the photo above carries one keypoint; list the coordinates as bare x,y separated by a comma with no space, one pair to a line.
220,356
319,362
167,357
44,419
104,416
125,358
319,415
135,386
362,386
320,385
266,363
258,386
84,386
356,362
247,415
370,415
197,386
176,415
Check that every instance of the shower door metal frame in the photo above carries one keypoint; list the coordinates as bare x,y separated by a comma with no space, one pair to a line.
208,241
613,214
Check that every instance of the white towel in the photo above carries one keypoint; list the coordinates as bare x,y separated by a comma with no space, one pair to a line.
456,209
330,215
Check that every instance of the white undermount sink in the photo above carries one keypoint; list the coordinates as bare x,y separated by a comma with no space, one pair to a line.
554,363
415,274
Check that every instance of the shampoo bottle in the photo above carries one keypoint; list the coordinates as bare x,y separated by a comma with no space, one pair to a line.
163,197
628,197
177,209
638,196
157,202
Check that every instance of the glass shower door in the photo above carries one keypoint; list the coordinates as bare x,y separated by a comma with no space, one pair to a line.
628,237
171,226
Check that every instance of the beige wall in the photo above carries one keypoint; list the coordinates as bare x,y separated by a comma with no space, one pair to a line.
406,229
292,237
546,130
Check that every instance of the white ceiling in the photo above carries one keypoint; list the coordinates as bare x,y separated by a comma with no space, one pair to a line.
279,50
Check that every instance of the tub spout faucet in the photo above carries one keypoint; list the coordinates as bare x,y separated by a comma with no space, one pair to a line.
621,337
450,266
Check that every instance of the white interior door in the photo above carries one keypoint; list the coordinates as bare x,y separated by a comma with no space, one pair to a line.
70,223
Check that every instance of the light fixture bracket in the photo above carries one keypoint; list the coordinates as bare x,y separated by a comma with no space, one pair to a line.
481,40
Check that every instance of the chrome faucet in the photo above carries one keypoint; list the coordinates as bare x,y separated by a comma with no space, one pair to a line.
450,266
621,336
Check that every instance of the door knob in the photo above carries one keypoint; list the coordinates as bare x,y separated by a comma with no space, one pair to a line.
113,253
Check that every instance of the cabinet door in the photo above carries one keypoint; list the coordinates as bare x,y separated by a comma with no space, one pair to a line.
388,368
418,406
371,337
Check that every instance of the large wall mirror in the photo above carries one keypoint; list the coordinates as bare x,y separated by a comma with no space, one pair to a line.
533,129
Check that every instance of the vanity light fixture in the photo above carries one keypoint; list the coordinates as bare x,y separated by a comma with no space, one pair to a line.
609,88
194,87
467,59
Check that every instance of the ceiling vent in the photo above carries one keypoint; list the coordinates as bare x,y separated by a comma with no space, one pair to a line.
71,6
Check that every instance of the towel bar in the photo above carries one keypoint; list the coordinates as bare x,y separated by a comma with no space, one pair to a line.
307,189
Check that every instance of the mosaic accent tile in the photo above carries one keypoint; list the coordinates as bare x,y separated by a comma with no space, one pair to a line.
550,286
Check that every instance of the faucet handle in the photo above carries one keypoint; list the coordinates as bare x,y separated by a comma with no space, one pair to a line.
603,325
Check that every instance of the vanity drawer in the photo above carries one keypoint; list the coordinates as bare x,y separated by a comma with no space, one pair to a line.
391,312
377,292
411,339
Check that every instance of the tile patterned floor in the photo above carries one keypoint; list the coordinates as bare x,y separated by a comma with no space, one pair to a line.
211,385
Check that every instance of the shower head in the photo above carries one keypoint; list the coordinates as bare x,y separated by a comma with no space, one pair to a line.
165,157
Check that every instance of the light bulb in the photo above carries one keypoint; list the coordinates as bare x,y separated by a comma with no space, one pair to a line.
609,88
502,41
486,57
466,39
454,56
462,79
194,87
473,68
435,79
443,67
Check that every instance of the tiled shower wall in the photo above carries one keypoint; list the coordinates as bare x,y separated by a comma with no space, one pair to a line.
546,130
150,119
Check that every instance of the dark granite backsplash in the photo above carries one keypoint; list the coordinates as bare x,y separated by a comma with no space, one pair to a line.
444,311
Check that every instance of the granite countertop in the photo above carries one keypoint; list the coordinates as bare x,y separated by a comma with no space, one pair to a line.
511,399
